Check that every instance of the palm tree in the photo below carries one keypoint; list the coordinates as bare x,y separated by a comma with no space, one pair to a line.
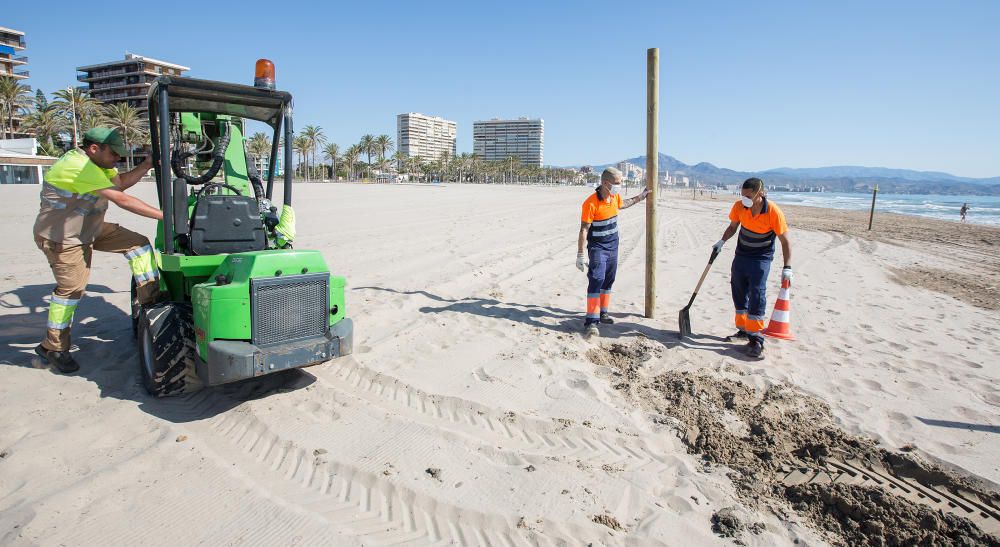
330,152
384,144
302,145
462,163
368,148
399,158
259,146
414,164
76,103
130,125
15,99
350,157
46,124
314,134
474,166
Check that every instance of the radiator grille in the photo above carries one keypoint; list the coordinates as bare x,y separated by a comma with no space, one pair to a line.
289,308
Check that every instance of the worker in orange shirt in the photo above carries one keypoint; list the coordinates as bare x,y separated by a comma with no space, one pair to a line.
599,229
759,222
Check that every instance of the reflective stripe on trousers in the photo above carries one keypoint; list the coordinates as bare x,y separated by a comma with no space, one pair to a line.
600,278
61,312
749,287
142,264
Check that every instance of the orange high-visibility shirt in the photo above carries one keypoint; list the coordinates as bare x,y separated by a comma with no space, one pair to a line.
602,215
757,233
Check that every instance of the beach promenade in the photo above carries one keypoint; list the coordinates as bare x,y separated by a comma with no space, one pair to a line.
473,411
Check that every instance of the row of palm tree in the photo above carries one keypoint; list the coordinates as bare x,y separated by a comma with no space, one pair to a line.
58,124
347,163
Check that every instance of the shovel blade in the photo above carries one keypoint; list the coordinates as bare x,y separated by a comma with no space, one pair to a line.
684,321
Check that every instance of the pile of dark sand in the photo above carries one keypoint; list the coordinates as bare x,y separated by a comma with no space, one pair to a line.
759,434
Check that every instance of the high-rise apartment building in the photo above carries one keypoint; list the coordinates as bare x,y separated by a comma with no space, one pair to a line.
126,81
429,137
12,65
497,140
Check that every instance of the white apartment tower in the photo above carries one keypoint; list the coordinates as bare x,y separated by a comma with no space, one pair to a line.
429,137
523,138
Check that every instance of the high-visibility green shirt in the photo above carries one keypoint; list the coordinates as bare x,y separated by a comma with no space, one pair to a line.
71,211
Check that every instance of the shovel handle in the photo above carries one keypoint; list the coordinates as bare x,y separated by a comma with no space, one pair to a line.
715,253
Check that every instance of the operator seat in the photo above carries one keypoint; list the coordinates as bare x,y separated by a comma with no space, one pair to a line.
222,224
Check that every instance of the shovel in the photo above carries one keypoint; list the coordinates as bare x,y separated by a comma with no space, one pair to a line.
685,317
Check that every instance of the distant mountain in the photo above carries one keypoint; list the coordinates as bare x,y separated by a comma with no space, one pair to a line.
877,172
844,178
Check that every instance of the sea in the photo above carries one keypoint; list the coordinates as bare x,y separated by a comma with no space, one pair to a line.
982,209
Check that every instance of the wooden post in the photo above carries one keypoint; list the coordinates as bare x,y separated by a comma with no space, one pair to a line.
652,164
871,216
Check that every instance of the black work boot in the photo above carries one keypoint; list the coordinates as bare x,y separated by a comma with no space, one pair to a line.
62,360
755,348
738,336
606,319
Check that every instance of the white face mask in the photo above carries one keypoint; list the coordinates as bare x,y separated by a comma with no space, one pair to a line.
615,189
747,202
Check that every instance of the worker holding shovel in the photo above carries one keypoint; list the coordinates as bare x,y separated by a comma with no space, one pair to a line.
759,223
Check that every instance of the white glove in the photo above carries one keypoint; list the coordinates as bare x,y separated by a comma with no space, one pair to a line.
786,273
717,248
581,264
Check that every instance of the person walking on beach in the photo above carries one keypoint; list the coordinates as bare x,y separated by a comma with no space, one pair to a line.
70,226
964,210
759,223
599,228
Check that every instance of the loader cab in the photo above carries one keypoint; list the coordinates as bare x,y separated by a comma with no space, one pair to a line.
214,200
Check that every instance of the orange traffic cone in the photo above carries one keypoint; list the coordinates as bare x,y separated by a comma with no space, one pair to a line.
780,325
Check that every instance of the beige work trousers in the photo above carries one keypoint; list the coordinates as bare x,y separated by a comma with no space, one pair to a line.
70,265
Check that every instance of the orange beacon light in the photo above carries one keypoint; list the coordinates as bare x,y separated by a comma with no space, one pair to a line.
264,74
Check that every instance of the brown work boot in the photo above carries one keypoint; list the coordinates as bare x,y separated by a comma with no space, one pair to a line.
62,360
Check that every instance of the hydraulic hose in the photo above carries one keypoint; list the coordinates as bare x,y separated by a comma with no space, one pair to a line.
255,180
179,160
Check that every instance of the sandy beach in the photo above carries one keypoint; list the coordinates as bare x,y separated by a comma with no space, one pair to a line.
474,413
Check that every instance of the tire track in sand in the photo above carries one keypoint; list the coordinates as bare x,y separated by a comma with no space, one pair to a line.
367,505
488,425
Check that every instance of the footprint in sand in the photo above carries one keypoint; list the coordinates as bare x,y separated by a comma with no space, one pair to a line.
901,420
872,385
679,504
915,386
968,363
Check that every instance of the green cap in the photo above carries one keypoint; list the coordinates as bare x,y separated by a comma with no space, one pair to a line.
110,137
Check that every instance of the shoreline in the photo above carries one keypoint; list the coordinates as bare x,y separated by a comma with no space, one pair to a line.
970,270
865,197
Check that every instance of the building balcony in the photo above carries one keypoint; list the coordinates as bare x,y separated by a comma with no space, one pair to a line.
118,96
117,85
16,43
99,75
16,74
7,58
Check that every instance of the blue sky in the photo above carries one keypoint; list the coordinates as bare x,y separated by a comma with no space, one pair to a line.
909,84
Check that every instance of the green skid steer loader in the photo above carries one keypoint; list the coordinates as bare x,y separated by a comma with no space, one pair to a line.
241,302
